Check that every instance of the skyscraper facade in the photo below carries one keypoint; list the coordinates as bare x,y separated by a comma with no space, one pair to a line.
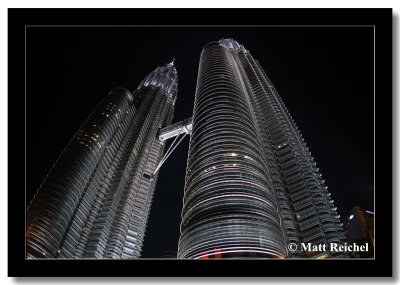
252,186
95,201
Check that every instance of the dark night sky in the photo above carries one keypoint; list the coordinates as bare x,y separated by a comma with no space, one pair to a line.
324,75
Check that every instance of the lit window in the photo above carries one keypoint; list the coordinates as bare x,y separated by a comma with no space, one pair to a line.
281,145
248,157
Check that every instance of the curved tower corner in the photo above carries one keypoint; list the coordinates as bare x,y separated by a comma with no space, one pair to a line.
230,207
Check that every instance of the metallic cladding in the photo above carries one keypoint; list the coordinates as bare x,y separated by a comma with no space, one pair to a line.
95,201
252,186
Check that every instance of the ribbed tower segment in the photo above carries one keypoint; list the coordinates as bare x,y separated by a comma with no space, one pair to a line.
158,93
308,211
96,199
252,185
230,206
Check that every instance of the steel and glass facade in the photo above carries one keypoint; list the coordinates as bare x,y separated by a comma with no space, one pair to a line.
252,186
95,201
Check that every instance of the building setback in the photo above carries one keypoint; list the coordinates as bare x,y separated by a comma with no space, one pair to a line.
95,201
252,186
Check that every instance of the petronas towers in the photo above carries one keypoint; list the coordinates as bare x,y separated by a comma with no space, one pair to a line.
252,186
95,201
251,189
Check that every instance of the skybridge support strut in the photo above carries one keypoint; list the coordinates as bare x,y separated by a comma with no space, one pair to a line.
180,129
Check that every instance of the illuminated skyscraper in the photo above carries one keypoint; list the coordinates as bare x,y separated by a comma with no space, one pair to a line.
252,186
95,201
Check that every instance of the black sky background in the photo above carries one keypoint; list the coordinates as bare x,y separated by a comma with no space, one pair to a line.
323,74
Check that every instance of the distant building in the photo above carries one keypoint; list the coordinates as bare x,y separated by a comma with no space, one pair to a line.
360,229
252,186
95,201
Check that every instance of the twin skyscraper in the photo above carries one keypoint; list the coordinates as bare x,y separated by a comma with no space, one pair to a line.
252,188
